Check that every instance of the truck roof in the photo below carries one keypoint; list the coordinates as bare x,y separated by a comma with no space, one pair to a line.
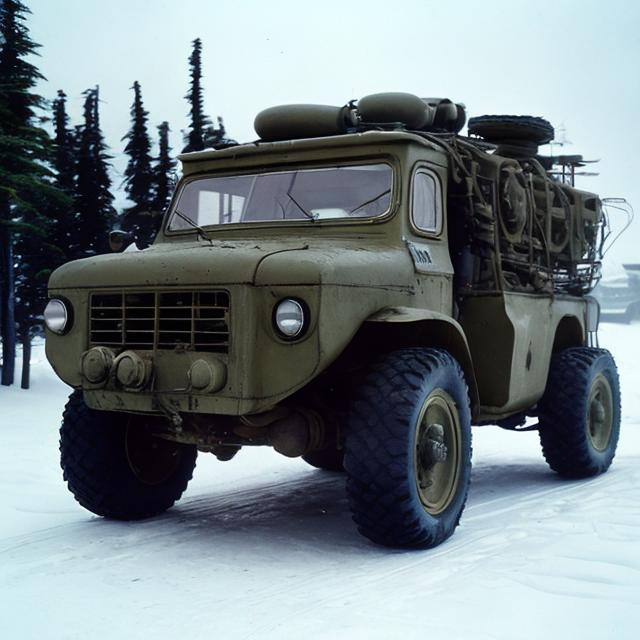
330,142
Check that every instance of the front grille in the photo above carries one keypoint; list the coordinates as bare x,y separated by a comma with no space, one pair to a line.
196,320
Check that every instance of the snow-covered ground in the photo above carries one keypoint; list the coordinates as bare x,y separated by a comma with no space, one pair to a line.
264,547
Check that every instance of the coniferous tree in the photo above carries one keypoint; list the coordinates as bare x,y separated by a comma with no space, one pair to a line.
63,234
198,120
216,137
202,133
64,150
45,243
93,198
36,258
139,176
25,183
164,171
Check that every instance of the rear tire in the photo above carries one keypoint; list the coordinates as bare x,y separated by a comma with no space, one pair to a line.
580,412
408,449
115,468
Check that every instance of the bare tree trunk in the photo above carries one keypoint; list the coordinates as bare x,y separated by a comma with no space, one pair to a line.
26,359
7,297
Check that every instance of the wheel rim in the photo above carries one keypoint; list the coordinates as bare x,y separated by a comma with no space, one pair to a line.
437,452
152,460
600,413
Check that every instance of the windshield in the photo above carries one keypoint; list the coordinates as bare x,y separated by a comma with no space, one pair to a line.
355,191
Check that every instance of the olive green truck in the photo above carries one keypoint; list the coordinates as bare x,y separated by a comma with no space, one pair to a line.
357,287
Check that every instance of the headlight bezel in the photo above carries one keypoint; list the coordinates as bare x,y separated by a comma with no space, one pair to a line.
67,315
304,319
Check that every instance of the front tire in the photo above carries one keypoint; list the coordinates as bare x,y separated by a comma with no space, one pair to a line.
408,449
328,459
580,412
115,468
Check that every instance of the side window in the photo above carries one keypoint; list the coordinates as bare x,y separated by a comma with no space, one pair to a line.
426,202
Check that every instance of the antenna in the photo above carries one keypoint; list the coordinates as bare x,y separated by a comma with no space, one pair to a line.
560,138
615,204
563,168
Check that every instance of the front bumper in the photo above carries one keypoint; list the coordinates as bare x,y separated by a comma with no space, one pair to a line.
261,369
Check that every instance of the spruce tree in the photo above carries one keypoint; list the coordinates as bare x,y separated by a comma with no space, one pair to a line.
43,239
36,259
25,184
198,120
202,133
64,144
216,137
63,234
93,198
139,177
164,171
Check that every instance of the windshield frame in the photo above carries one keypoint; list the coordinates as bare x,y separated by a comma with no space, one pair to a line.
388,160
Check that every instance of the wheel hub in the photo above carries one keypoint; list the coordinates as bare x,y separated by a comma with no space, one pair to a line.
433,448
437,457
152,460
600,413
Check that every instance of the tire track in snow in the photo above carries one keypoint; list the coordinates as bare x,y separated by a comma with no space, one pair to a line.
460,542
256,498
268,503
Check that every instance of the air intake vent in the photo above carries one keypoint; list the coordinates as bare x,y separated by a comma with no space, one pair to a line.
197,320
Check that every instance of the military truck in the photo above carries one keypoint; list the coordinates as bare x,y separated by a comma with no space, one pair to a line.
619,296
357,287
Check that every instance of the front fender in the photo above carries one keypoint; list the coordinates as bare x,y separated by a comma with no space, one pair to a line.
426,328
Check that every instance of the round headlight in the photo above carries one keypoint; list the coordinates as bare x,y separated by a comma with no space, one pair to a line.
289,318
56,316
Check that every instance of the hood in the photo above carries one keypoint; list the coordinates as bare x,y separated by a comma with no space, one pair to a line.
223,262
261,263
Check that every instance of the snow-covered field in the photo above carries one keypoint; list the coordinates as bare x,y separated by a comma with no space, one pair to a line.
263,547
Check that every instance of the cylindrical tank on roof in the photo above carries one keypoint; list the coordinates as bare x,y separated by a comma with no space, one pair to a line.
293,121
389,108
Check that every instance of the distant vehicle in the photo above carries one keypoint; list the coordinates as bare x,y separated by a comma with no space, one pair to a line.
619,297
355,288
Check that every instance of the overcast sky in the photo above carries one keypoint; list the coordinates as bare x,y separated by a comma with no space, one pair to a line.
574,62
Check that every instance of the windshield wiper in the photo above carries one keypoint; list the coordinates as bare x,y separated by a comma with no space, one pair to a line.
201,232
311,216
366,202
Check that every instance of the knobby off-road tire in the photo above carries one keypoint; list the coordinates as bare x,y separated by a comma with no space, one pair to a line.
503,128
580,412
408,449
115,468
328,459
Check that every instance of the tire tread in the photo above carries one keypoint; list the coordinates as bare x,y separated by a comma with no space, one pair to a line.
380,495
565,444
93,468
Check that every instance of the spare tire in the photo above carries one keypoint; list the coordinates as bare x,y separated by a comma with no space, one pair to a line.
512,129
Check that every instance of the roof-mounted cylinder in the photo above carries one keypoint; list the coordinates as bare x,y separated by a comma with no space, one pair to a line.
395,108
292,121
375,111
411,112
